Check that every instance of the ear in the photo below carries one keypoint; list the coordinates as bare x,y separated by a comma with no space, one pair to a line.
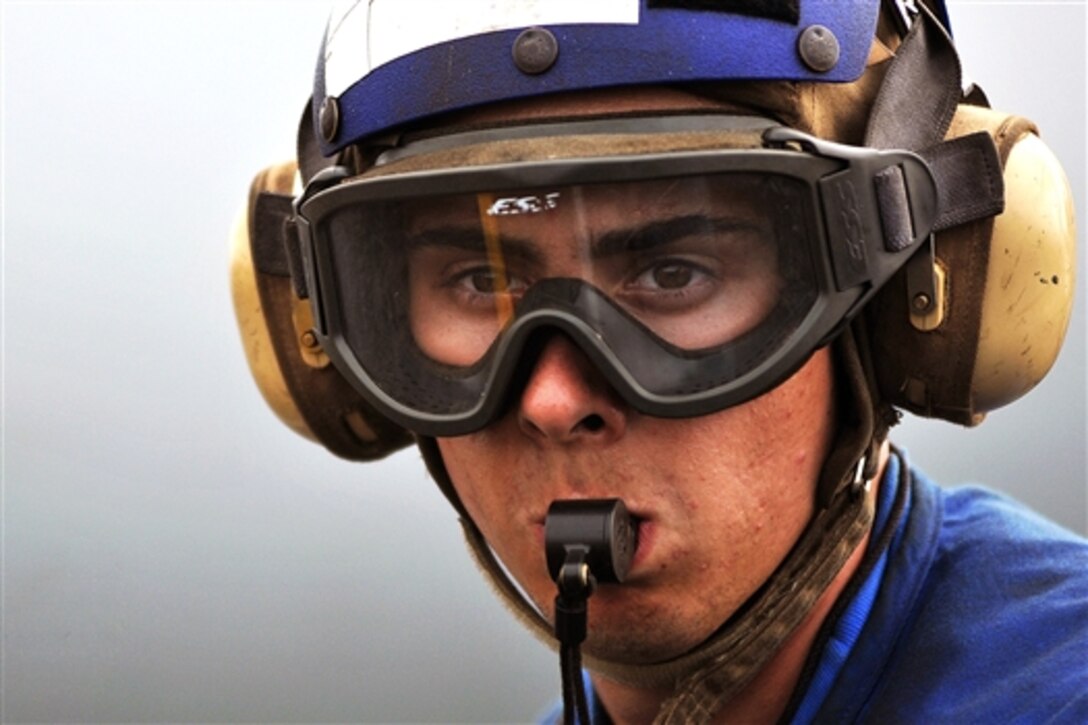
1004,288
294,375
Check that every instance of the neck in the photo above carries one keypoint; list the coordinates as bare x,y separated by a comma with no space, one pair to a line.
764,698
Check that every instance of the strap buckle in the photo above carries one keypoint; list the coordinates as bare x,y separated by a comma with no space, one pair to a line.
903,13
861,484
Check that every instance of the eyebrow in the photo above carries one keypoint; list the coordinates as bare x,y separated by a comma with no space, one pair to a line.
471,239
666,231
628,239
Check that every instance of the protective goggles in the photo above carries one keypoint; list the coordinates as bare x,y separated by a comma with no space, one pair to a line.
693,278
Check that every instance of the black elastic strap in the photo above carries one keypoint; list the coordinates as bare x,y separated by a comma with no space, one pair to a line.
914,110
270,213
970,186
970,181
918,97
891,195
276,249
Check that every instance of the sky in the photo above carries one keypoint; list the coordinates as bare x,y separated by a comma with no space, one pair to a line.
170,551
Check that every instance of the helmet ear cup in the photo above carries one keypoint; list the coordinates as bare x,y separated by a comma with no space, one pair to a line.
1029,283
1004,291
294,376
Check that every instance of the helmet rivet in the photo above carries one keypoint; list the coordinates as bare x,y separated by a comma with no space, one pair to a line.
535,50
921,302
819,48
309,339
329,119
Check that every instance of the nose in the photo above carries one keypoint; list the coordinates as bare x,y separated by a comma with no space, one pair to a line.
568,401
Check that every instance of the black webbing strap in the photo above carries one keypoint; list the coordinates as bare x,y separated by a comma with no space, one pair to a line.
914,110
970,181
276,249
270,213
332,410
970,186
918,97
274,242
937,7
891,195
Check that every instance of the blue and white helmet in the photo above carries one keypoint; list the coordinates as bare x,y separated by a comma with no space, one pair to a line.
385,64
389,66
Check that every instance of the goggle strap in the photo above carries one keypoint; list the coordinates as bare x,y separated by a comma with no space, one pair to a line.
893,202
970,180
270,213
918,97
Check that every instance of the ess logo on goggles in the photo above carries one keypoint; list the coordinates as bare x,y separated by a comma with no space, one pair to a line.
693,279
532,204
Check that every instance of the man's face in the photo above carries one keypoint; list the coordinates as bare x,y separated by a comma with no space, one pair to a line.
719,499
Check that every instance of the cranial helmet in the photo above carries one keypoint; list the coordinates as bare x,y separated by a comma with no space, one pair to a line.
946,318
887,210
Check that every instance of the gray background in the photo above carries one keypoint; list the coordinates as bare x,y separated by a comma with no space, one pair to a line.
170,551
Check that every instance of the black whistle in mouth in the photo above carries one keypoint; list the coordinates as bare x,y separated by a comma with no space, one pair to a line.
586,541
595,532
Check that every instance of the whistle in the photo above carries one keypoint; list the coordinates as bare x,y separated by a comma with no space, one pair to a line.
585,542
596,532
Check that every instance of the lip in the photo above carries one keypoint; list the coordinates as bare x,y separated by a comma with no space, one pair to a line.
645,534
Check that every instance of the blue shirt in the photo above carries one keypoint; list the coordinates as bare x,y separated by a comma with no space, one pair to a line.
981,617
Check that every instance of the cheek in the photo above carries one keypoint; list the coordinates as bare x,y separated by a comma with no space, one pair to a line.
758,471
466,463
496,490
794,424
731,491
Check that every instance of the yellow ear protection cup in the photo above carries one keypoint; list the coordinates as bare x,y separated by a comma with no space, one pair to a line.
1029,282
980,322
291,371
256,338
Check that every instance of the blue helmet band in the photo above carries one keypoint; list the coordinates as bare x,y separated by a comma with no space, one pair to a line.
363,88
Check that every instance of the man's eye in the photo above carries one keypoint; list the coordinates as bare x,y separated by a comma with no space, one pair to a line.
483,282
670,275
487,282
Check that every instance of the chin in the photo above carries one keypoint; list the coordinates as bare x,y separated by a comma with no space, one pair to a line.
629,628
642,645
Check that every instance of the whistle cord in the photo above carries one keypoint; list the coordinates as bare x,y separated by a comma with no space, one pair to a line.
586,542
574,693
570,630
